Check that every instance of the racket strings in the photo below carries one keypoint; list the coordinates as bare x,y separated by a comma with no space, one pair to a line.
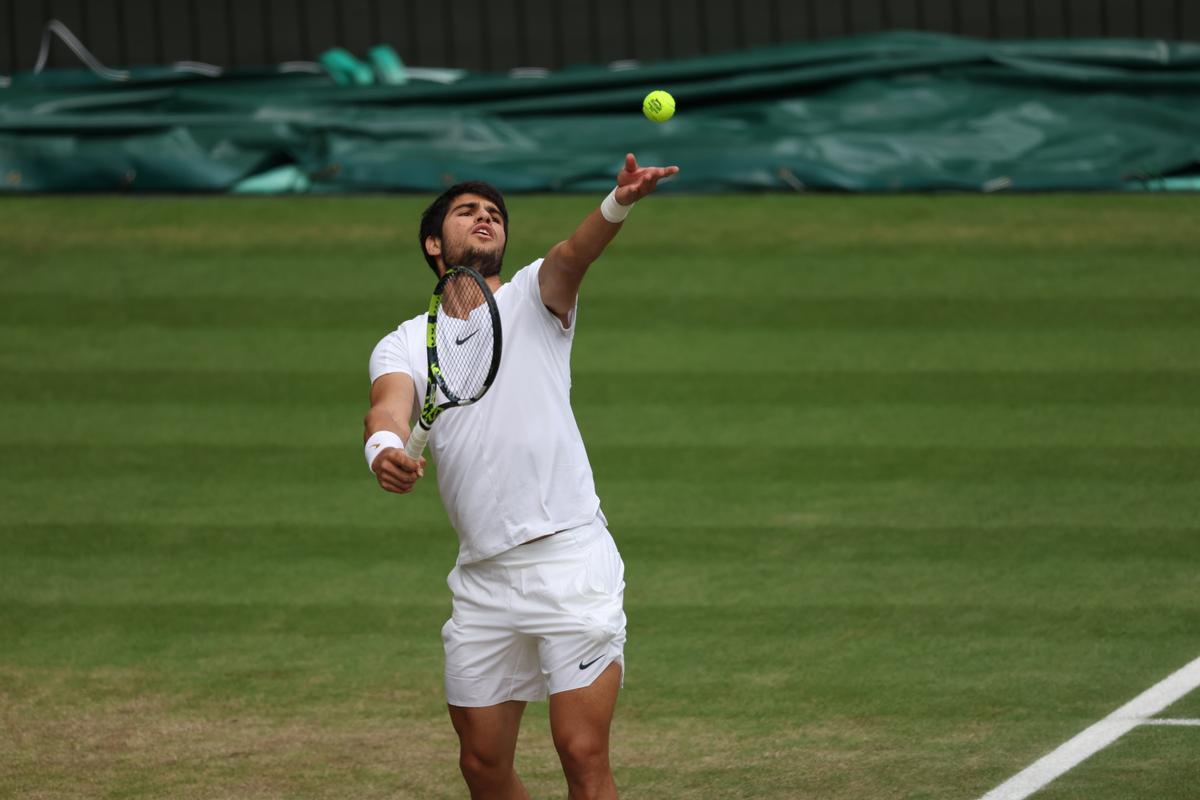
465,338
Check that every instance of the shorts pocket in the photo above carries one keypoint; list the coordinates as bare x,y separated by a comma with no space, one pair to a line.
605,573
448,632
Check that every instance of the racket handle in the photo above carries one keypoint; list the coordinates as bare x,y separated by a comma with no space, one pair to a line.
416,442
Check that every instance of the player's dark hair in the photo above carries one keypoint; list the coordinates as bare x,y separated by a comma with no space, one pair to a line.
434,216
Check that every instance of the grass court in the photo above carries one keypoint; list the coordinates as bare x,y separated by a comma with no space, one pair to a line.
907,488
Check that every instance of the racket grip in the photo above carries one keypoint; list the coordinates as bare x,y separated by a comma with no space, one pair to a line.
416,442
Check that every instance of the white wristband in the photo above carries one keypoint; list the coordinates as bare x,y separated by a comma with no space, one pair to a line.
379,441
613,211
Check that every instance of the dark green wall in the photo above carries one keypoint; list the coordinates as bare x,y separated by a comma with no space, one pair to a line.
501,34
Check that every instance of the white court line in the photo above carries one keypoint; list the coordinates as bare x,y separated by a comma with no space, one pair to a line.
1189,722
1099,736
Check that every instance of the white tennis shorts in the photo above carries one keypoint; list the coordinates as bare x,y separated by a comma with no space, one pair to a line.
541,618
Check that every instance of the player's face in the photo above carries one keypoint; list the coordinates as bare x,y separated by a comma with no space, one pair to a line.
473,235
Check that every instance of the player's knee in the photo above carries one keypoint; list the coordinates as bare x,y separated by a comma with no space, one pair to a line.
477,767
584,758
481,767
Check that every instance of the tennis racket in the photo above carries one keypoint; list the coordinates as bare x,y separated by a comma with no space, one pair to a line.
462,341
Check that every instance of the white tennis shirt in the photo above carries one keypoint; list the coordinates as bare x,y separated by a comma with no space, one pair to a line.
511,467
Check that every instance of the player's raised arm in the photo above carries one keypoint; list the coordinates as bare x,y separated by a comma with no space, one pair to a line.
567,262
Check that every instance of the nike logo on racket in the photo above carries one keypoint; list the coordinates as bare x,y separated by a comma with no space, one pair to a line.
588,664
468,336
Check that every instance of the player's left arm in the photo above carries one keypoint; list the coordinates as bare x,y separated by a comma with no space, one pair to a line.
568,261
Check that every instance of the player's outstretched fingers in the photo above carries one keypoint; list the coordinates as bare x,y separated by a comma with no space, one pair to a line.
634,183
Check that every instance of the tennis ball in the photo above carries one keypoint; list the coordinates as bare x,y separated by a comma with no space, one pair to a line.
658,106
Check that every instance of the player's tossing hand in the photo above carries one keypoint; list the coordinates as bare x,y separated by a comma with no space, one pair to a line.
634,182
395,471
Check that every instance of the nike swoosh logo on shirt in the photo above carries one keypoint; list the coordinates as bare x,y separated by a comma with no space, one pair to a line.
588,664
468,336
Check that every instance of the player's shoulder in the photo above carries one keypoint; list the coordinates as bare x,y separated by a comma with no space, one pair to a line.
525,280
528,271
407,328
417,322
393,352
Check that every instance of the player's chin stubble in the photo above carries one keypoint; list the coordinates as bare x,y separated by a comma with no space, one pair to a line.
484,262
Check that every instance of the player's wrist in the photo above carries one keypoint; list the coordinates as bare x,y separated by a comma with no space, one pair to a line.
613,211
377,443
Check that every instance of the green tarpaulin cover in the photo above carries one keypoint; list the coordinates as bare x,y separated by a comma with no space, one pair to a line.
888,112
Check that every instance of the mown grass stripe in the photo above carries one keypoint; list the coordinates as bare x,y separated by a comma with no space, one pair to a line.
184,422
738,464
322,384
780,311
304,617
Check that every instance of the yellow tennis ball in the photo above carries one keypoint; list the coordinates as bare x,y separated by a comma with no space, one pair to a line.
658,106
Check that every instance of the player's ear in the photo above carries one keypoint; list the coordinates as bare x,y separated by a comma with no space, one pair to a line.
433,245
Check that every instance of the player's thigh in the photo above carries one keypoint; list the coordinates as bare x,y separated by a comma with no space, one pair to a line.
489,733
580,719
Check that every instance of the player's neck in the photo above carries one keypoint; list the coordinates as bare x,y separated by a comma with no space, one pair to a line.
494,282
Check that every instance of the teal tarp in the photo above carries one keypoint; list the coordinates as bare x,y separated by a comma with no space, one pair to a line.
886,112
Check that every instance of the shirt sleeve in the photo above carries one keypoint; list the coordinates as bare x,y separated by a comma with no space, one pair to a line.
526,283
390,355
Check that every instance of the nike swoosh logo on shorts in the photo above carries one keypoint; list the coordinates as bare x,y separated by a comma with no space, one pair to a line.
468,336
588,664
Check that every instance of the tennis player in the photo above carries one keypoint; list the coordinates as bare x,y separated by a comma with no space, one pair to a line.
538,584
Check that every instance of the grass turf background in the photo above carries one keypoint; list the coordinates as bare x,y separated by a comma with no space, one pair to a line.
906,490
